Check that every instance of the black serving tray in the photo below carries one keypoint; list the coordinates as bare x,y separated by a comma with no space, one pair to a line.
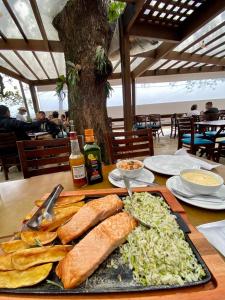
107,279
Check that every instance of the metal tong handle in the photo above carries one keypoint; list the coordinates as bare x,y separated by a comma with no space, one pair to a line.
36,219
48,212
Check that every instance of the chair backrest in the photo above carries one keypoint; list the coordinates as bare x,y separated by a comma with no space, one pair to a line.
43,156
7,141
186,125
155,119
130,144
141,119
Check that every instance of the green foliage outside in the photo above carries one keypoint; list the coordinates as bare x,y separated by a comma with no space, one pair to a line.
114,10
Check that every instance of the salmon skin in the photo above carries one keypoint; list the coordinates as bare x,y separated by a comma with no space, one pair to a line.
88,216
94,248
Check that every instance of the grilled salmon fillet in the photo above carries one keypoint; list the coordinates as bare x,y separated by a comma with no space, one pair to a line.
88,216
94,248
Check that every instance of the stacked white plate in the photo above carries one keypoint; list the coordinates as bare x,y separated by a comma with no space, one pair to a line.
215,201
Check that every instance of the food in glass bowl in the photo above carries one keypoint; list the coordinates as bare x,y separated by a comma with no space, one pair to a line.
130,168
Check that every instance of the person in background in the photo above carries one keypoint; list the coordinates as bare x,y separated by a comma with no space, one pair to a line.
8,124
47,125
50,117
194,111
209,109
21,112
55,118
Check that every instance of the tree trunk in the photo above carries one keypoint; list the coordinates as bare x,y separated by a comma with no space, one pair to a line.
82,26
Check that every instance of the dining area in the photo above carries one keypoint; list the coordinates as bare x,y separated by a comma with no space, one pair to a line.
134,172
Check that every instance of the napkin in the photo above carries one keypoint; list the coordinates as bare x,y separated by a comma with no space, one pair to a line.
215,233
203,164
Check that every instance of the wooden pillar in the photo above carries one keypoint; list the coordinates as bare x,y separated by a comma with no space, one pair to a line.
34,98
126,79
133,97
24,98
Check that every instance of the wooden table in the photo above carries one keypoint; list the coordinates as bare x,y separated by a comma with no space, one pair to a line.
17,197
17,200
216,123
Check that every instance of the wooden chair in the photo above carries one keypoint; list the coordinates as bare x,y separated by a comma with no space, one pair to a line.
188,137
220,151
8,152
43,156
130,144
140,122
155,124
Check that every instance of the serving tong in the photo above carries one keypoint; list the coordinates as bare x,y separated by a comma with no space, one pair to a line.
45,211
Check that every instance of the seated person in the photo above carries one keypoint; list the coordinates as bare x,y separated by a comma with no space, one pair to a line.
194,111
47,125
19,127
21,113
210,109
55,118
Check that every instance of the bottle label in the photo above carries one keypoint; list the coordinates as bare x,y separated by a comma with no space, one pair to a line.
78,172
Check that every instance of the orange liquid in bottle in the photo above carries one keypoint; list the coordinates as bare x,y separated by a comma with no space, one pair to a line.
77,162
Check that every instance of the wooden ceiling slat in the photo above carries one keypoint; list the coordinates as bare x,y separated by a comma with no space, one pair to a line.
13,74
39,62
173,55
13,16
11,65
32,45
155,31
116,65
131,13
42,29
26,64
3,36
199,18
183,71
214,48
204,36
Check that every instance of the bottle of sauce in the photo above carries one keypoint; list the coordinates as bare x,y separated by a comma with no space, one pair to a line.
77,162
93,160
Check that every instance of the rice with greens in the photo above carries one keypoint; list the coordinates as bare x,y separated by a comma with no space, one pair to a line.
159,255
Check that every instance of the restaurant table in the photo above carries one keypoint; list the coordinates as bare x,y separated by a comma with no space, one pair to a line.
17,199
216,123
37,135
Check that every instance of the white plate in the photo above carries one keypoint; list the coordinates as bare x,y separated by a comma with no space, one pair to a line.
170,164
200,200
145,175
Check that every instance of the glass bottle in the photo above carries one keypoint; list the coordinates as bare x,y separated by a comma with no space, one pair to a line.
77,162
93,160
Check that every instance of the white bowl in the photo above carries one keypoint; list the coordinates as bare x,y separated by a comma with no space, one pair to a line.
130,173
197,187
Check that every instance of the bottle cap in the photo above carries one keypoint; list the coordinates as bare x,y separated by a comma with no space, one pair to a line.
89,135
89,132
73,135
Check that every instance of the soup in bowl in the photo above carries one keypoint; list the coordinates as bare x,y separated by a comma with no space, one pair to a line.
201,181
130,168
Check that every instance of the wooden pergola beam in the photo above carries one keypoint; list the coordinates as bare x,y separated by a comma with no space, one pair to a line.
34,97
157,32
174,55
205,13
32,45
13,74
175,71
131,13
26,64
126,79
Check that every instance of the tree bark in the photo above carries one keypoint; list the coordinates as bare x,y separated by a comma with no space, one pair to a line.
82,26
